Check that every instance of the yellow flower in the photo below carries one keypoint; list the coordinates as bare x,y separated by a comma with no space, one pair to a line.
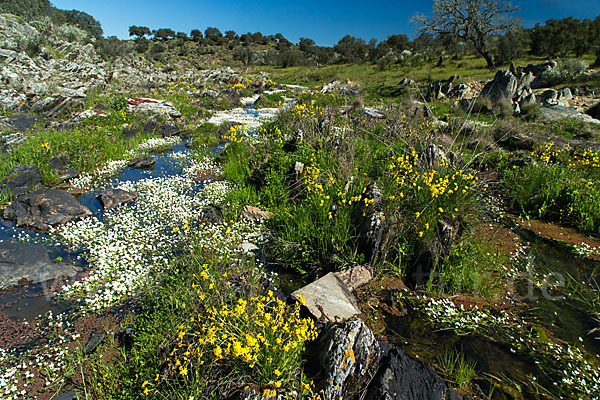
175,229
218,352
183,371
277,372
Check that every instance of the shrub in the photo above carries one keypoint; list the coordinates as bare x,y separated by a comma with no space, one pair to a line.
71,33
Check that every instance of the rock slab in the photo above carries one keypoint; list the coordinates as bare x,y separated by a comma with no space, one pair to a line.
44,208
28,261
328,299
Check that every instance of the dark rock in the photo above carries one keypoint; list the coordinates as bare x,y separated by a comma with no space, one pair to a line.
594,112
69,174
59,162
142,163
71,395
435,155
211,215
44,208
125,338
21,179
407,82
21,123
29,261
368,219
151,126
168,130
130,133
541,73
401,378
92,344
100,107
113,198
549,97
349,357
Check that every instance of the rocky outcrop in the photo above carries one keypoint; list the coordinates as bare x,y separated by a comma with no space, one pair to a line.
30,262
152,106
21,179
349,358
401,378
355,365
44,208
541,73
442,88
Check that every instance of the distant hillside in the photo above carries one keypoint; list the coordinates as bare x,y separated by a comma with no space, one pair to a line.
33,9
30,9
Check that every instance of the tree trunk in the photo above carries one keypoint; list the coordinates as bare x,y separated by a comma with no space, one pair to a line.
488,59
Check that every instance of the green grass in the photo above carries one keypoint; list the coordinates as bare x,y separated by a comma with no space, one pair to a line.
456,369
560,186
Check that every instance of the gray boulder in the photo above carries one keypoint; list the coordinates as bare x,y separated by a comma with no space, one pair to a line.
502,87
28,261
559,112
44,208
541,72
22,179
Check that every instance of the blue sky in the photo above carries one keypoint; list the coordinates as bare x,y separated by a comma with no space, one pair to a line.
323,21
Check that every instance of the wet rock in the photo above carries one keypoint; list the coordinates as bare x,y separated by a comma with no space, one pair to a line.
355,277
349,356
328,299
142,163
29,261
168,130
368,219
255,214
92,344
44,208
112,198
22,179
71,395
402,378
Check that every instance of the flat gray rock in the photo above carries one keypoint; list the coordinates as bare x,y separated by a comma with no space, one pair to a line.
28,261
328,299
112,198
44,208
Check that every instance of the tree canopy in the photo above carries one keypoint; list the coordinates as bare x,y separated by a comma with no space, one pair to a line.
473,21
